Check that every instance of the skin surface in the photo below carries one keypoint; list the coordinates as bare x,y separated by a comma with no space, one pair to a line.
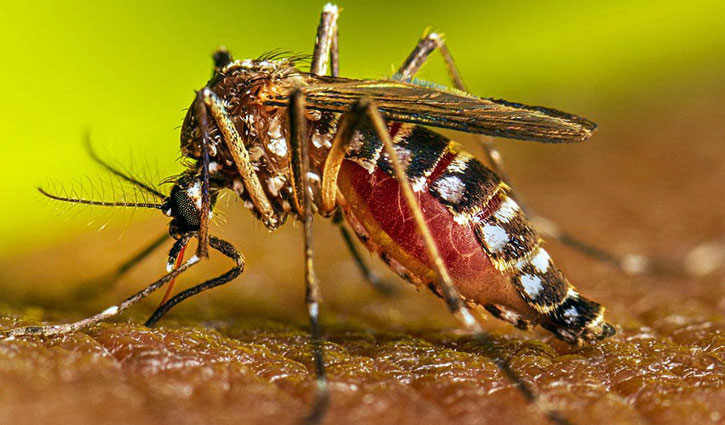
239,354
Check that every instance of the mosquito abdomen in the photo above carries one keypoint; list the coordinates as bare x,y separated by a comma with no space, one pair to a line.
490,249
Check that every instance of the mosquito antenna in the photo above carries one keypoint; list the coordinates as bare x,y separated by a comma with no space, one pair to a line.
77,200
94,156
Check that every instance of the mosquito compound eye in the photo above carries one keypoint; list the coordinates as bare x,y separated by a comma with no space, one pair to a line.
184,210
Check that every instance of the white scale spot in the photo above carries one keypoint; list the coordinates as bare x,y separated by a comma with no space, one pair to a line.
110,310
214,167
320,140
313,309
238,187
541,261
634,264
418,184
357,142
496,237
507,211
570,315
275,184
451,189
194,193
532,285
278,146
459,164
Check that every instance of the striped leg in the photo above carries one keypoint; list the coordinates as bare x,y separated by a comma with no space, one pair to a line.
235,144
415,61
700,260
365,108
325,51
303,203
53,330
223,247
326,48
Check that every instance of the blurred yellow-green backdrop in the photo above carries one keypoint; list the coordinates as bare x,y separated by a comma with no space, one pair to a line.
126,70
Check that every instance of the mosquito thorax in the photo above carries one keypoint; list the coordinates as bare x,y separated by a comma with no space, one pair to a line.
244,88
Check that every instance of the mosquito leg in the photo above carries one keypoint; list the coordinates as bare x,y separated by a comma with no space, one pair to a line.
52,330
369,275
335,157
240,155
699,261
92,289
325,51
450,293
202,250
417,58
629,263
303,201
226,249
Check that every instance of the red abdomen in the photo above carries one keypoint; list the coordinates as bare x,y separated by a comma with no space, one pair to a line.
376,209
491,251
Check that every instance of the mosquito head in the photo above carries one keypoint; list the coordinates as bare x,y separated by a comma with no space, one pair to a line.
183,204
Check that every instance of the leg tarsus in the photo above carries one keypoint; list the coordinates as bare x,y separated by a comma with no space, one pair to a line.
630,264
450,294
53,330
223,247
326,43
303,196
202,250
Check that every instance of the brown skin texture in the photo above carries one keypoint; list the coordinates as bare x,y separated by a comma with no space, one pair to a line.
240,354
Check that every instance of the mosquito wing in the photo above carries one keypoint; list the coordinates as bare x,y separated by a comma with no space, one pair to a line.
440,107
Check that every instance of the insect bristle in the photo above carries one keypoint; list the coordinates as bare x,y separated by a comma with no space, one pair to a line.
291,57
102,191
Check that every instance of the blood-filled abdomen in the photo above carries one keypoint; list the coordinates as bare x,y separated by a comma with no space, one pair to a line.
487,245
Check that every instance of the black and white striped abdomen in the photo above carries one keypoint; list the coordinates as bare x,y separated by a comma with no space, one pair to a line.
477,197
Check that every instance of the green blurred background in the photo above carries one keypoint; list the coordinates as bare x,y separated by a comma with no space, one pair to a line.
126,71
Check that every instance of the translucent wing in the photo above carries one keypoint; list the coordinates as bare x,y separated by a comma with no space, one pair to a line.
440,107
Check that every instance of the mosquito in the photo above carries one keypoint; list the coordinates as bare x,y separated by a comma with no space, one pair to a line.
301,144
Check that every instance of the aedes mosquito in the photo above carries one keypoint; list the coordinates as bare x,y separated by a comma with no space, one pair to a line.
294,143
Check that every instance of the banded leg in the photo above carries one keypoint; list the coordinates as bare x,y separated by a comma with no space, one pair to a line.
235,144
697,261
201,115
53,330
366,109
326,46
303,201
413,63
372,278
227,250
325,50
